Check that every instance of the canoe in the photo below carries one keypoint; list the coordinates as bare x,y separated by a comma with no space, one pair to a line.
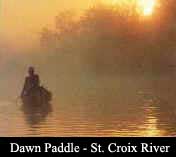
37,96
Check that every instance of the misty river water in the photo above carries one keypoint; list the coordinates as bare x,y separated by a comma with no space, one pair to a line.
129,108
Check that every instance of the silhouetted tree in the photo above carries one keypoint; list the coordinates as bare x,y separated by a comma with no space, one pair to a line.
113,40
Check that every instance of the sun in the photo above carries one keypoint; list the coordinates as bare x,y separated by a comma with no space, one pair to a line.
147,7
144,7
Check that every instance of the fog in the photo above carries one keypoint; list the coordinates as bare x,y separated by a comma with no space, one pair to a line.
100,54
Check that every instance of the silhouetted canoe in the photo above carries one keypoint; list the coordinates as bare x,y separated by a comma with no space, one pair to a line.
38,96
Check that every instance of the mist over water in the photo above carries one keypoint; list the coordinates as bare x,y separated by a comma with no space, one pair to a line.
110,73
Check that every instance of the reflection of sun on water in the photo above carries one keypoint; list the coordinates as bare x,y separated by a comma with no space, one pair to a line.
150,126
144,126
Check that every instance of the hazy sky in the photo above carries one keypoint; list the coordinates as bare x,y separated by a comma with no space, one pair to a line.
21,20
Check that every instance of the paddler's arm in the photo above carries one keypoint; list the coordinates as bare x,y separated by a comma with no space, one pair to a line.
24,87
37,80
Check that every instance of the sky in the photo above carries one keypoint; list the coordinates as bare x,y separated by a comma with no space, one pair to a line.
21,21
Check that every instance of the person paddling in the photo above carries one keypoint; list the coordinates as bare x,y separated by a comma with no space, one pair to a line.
32,82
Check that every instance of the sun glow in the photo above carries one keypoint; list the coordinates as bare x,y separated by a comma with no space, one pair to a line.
147,6
144,7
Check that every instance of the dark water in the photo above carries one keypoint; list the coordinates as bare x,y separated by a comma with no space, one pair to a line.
132,107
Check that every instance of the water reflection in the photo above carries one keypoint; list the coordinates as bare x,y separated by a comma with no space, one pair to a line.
159,118
35,114
150,126
143,119
145,109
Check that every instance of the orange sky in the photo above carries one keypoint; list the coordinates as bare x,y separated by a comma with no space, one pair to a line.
21,20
